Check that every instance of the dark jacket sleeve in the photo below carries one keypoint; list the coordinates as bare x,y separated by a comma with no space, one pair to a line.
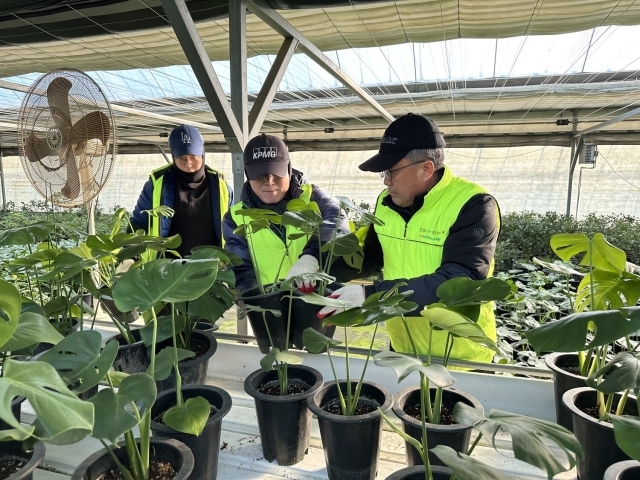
139,219
468,251
245,274
331,213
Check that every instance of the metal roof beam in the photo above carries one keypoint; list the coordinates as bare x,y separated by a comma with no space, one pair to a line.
268,15
191,43
269,88
16,87
602,125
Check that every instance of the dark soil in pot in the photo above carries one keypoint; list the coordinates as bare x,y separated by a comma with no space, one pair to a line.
164,450
596,437
566,376
192,370
267,324
449,433
627,470
284,421
16,464
417,473
206,446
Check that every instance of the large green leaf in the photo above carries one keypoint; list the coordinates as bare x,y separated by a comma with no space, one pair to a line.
80,360
164,280
620,373
191,417
213,304
164,362
604,255
569,334
26,235
457,325
62,418
315,342
32,328
307,221
627,432
343,245
259,214
112,408
466,468
529,437
278,356
375,309
10,303
403,365
611,290
564,268
464,291
349,205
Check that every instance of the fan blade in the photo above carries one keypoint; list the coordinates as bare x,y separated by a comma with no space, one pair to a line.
92,125
85,168
36,148
71,188
58,97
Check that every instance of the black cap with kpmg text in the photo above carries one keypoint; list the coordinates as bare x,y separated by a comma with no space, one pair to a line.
266,154
409,132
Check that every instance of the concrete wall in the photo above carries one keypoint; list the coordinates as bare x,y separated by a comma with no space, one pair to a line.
523,178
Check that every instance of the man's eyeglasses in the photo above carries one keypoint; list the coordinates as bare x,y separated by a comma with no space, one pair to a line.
388,174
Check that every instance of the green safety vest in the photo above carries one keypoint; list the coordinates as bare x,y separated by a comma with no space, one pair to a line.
415,248
267,249
157,178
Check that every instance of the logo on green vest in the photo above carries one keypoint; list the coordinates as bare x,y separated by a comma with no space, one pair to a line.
431,235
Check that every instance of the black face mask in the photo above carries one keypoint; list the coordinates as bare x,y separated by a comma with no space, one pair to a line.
191,179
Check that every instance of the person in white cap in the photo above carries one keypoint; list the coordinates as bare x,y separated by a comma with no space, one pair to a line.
436,226
271,184
198,194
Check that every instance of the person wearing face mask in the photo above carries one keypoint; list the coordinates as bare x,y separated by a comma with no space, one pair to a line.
271,183
436,226
199,195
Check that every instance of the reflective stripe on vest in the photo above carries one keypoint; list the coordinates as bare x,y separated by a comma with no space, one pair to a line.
415,248
268,250
157,178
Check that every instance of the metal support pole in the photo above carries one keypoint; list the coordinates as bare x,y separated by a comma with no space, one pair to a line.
238,75
572,167
164,154
4,193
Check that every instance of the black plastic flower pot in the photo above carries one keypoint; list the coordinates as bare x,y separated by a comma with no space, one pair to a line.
627,470
131,357
13,450
207,326
267,324
417,473
193,371
305,315
596,437
109,306
168,450
351,443
206,446
16,405
284,421
563,381
455,436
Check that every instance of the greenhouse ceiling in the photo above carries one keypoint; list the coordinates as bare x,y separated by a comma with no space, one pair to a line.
493,73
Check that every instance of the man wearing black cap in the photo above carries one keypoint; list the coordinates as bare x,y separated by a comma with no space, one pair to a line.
271,184
436,226
198,195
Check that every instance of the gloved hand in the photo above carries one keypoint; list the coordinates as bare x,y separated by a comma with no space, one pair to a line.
354,294
305,264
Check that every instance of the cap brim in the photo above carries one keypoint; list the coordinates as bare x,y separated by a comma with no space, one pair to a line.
188,150
279,169
382,161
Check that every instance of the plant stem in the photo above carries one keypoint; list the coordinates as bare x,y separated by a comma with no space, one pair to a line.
175,359
346,347
335,376
364,370
423,417
125,472
622,403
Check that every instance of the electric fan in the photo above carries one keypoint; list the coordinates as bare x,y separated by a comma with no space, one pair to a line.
67,137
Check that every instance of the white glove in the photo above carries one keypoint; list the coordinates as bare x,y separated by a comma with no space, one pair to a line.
305,264
354,294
